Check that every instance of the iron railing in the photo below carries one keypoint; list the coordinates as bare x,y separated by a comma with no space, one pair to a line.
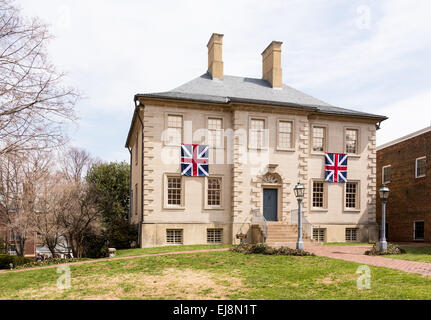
307,227
258,219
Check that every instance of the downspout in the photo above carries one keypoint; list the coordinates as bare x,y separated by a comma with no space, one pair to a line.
138,106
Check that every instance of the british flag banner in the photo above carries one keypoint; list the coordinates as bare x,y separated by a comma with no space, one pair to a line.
336,167
194,160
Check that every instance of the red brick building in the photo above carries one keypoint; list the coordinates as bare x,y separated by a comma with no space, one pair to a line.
5,235
404,166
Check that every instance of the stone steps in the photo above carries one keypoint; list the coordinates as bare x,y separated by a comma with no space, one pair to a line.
283,234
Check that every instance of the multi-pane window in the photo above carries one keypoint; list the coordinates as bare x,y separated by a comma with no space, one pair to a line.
174,236
318,194
351,141
351,195
351,234
215,132
175,130
214,235
174,191
214,192
257,133
285,134
386,174
319,136
421,167
319,235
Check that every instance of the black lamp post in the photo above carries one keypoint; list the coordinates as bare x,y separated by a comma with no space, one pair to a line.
384,195
299,193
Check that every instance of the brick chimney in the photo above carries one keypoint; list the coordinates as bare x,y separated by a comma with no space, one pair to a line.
271,64
215,60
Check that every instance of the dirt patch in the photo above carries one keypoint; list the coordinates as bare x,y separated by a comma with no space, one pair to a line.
334,279
170,284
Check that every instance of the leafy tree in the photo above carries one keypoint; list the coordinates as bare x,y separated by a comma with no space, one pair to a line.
109,183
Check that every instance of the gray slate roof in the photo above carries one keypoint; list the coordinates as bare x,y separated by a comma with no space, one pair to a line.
250,90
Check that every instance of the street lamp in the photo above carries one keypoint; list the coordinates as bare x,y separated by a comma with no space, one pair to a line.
384,194
299,193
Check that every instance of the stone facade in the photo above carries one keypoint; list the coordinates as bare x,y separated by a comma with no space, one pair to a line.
243,179
246,171
409,198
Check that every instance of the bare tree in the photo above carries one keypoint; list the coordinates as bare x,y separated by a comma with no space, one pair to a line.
34,102
75,163
20,181
51,205
79,214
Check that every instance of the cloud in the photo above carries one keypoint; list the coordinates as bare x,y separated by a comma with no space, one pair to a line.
113,50
405,117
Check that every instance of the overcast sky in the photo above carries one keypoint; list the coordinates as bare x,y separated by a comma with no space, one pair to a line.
368,55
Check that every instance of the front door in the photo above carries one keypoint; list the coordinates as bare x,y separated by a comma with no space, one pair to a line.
270,204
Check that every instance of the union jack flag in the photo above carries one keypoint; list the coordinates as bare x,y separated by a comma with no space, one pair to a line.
194,160
336,167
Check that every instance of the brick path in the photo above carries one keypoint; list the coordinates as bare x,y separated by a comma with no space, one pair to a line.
356,254
347,253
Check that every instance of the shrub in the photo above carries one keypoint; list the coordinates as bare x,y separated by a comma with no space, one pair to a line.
7,259
392,249
262,248
48,262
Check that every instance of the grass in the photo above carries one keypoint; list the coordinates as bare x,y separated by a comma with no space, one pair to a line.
141,251
421,254
215,275
347,244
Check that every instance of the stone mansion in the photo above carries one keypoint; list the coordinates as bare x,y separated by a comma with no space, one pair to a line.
263,137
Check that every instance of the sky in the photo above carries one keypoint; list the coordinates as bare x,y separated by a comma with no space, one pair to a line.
368,55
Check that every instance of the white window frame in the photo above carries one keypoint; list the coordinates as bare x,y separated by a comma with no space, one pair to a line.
265,133
213,207
325,195
319,231
358,141
383,174
174,231
416,167
165,191
166,135
215,236
325,142
292,135
351,229
357,207
215,117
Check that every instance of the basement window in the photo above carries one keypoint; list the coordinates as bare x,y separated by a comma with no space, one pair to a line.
319,235
352,234
214,235
174,236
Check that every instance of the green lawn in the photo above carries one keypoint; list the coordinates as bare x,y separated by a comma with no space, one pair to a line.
422,254
141,251
347,244
215,275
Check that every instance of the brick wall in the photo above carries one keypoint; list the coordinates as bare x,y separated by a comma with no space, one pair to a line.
410,197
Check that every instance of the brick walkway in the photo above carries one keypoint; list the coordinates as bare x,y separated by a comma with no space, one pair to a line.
356,254
347,253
